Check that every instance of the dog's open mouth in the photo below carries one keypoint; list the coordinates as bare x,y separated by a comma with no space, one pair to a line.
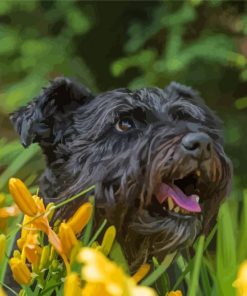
179,197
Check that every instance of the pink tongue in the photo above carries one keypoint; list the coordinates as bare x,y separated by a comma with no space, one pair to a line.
188,203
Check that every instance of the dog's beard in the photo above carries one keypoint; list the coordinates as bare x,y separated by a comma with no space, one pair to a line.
145,227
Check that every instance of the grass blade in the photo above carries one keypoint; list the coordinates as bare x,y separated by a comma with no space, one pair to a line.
196,269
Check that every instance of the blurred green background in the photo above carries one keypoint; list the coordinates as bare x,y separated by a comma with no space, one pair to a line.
107,45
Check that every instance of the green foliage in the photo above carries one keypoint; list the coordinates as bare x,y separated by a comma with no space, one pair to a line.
31,55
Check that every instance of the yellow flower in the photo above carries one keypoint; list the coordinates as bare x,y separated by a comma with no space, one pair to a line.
174,293
72,285
31,249
141,273
20,271
241,281
35,219
26,228
2,293
10,211
105,278
108,239
2,246
22,197
67,238
81,217
6,212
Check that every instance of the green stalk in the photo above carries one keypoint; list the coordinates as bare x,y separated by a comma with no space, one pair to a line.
193,285
10,245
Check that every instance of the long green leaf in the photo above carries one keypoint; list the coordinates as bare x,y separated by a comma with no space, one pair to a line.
193,286
17,164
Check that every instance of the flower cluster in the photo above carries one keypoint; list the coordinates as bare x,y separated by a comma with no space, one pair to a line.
44,250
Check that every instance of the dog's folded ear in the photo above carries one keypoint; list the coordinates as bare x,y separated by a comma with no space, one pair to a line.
47,117
175,89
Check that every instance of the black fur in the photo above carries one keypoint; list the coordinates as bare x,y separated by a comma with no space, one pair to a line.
77,133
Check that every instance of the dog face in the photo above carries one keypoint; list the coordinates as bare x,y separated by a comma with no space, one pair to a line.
156,157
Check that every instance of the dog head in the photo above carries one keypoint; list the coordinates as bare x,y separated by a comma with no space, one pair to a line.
155,155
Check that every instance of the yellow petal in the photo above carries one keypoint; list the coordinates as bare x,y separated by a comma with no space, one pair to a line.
142,291
175,293
81,217
2,293
72,286
22,197
108,239
67,238
141,273
20,271
241,281
3,242
10,211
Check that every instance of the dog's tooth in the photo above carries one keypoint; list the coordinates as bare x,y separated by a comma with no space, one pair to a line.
176,210
198,173
170,203
197,198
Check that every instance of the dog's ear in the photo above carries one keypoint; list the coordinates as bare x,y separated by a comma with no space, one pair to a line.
175,90
46,118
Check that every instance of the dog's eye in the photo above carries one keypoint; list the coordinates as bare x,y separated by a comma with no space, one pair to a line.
125,124
181,115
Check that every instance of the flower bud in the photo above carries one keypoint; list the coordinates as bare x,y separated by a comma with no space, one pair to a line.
81,217
20,271
3,241
44,259
67,237
22,197
141,272
108,239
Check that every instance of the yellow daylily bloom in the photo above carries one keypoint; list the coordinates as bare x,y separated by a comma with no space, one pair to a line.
6,212
67,238
2,293
31,248
141,272
174,293
10,211
241,281
105,278
22,197
35,218
72,285
20,271
108,239
3,242
81,217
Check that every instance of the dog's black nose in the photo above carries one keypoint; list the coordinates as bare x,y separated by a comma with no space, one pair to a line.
197,145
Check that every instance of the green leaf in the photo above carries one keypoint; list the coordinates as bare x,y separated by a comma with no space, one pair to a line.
17,164
242,236
226,261
117,256
193,285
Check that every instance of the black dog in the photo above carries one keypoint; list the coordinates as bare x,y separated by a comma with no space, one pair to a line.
155,155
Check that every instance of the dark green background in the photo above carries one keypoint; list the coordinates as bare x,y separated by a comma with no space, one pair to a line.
107,45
